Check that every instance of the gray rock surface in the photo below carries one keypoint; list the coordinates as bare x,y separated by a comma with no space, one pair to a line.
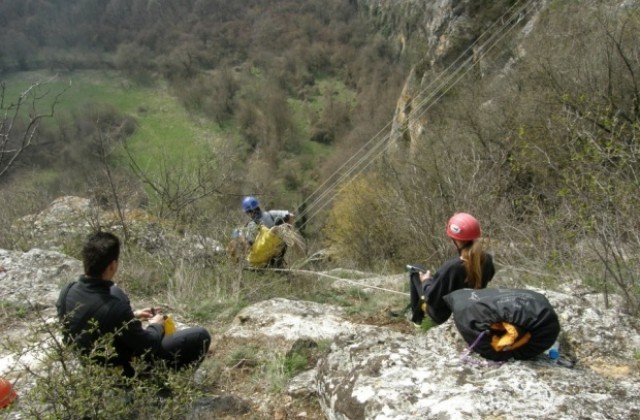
375,373
73,218
399,376
35,277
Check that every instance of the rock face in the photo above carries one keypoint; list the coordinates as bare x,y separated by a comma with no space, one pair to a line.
443,34
438,30
375,373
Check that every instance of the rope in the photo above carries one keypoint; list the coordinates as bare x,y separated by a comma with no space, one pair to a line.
443,89
363,162
315,273
466,355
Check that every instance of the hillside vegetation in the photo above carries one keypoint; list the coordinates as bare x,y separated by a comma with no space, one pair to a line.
182,107
539,139
280,79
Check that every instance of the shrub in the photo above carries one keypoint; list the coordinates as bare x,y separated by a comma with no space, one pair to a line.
359,227
65,384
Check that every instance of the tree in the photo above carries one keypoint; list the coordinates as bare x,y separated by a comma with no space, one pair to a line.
20,121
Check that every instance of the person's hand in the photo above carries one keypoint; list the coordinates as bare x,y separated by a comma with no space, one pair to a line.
146,313
425,276
157,319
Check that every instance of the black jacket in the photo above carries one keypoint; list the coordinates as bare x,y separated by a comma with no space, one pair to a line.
92,300
451,276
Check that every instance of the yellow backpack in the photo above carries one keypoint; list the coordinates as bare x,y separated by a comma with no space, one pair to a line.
266,246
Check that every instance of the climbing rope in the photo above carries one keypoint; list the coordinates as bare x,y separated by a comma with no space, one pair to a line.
368,153
319,274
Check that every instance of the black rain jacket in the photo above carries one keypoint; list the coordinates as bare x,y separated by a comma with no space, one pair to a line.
451,276
89,302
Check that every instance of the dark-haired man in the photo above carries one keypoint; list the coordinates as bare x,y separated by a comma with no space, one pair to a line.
93,307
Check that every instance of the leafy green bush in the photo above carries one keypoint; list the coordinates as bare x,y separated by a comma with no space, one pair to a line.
65,384
357,228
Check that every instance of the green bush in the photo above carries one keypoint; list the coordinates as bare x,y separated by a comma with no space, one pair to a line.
66,384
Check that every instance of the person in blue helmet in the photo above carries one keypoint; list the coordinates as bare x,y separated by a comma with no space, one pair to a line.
267,218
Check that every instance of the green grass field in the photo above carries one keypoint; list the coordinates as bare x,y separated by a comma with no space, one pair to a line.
166,133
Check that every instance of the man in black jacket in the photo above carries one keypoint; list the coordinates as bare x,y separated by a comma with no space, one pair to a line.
93,307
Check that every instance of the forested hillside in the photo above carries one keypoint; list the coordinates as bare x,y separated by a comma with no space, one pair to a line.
292,86
524,113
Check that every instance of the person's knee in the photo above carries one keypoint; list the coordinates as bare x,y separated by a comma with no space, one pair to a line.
203,336
206,337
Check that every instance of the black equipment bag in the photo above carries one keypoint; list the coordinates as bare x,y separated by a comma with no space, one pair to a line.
478,313
418,303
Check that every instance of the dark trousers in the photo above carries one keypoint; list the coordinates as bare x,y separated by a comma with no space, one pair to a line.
186,347
278,260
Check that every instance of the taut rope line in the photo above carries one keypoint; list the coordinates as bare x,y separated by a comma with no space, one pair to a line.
508,24
315,273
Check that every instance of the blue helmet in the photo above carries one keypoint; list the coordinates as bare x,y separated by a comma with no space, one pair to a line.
250,203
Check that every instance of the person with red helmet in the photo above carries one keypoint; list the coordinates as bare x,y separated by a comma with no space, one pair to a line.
471,268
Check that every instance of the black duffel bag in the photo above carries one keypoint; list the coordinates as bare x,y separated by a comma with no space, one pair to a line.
501,324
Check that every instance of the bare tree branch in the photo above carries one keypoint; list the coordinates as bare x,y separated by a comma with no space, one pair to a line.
14,141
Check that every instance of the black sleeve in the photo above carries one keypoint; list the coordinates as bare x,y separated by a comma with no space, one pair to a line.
451,276
131,335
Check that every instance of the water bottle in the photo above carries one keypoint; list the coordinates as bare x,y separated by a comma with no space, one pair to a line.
553,352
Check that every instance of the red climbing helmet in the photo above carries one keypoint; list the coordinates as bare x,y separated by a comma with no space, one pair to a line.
7,394
464,227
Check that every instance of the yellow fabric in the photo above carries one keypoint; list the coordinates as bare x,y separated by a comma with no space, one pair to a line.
507,338
266,246
522,341
169,326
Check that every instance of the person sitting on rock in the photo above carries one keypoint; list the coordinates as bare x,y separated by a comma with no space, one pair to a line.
94,307
472,268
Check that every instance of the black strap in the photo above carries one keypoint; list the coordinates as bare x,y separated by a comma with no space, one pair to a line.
417,283
62,308
62,300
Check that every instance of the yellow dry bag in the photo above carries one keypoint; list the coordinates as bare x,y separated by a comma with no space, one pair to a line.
266,246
